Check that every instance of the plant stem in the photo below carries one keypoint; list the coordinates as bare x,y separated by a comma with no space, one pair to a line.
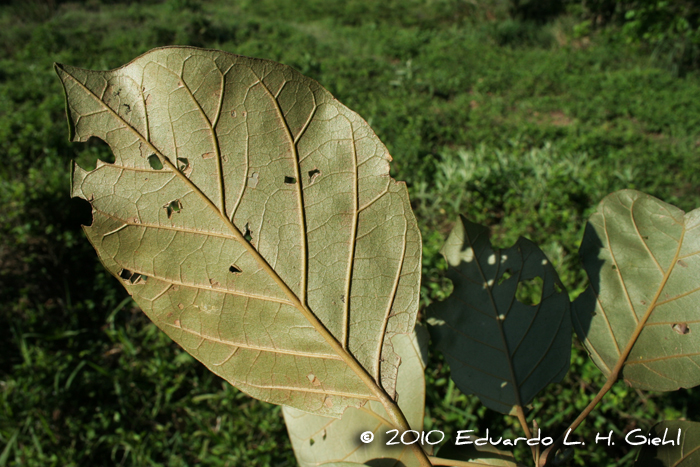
545,459
523,423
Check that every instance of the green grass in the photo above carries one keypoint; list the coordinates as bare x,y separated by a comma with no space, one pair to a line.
522,128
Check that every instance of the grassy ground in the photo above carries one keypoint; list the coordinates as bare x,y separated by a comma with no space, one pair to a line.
523,128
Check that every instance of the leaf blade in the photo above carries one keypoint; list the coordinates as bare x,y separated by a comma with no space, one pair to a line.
637,315
250,238
685,454
521,348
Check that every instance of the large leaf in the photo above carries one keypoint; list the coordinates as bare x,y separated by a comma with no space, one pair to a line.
317,440
639,313
253,219
498,348
669,453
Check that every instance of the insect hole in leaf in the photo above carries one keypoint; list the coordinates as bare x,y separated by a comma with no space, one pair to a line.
529,291
174,206
154,162
313,174
505,276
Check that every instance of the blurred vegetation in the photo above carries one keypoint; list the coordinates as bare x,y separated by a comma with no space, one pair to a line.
668,30
521,115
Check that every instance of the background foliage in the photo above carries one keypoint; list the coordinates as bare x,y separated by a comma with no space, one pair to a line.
522,115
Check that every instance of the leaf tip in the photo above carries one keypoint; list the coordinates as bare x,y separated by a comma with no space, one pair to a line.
60,71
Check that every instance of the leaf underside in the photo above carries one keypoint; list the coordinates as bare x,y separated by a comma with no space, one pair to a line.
498,348
642,257
317,440
243,194
687,454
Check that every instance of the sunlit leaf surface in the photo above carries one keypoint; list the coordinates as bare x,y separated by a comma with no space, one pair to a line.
253,219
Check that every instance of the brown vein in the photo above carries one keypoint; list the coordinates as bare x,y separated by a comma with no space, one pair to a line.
247,159
374,414
308,120
671,323
161,227
131,169
227,359
390,305
641,238
145,111
209,288
676,297
689,255
375,199
660,359
607,323
212,132
311,391
353,241
221,96
617,266
635,335
685,456
295,353
300,196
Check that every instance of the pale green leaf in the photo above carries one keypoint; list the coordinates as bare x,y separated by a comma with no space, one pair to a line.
669,453
318,439
252,217
642,257
498,348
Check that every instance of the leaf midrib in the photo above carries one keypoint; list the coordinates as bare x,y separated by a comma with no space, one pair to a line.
622,359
